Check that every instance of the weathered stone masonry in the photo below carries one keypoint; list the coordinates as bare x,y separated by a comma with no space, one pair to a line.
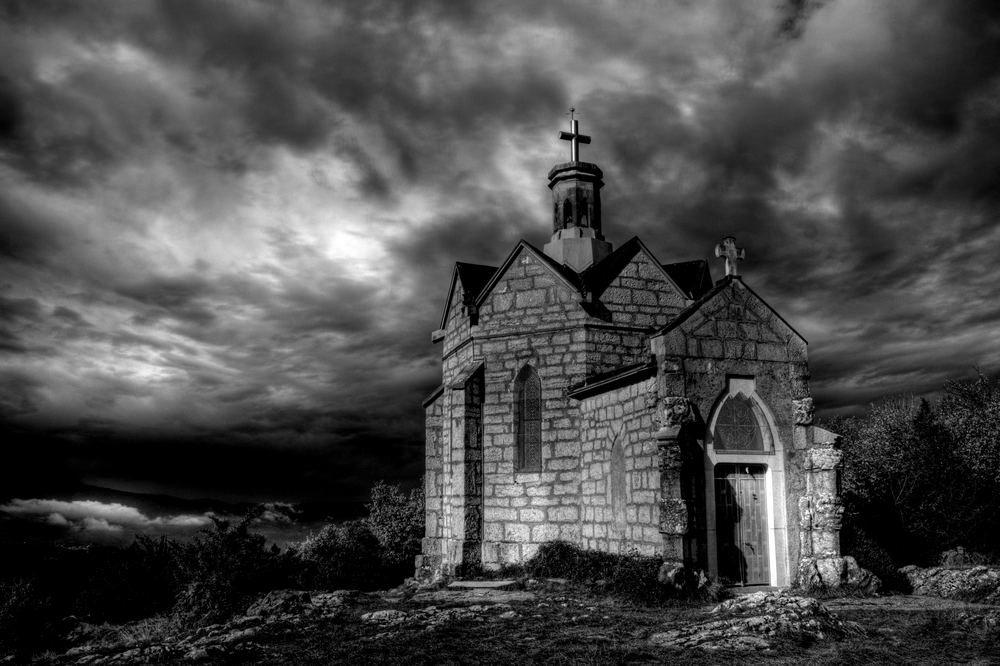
665,401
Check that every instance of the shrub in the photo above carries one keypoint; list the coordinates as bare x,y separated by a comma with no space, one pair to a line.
871,555
342,556
132,583
632,577
27,618
227,568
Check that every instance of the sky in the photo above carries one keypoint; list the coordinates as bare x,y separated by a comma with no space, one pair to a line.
227,228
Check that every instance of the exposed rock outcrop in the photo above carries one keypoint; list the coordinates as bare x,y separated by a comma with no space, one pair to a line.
753,620
980,583
236,639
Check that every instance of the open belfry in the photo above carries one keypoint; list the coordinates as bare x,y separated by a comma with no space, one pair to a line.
597,396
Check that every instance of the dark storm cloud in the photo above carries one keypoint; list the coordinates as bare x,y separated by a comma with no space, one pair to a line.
231,225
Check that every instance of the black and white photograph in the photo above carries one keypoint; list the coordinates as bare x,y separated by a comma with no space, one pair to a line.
499,332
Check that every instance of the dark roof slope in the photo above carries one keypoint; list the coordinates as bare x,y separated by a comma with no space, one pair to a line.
596,278
474,276
693,277
565,271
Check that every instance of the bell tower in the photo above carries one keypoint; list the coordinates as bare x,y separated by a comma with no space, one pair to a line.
577,240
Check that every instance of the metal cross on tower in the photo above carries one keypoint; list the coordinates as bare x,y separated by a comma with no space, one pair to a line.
729,250
574,137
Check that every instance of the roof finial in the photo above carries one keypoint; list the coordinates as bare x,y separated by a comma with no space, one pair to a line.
729,250
574,136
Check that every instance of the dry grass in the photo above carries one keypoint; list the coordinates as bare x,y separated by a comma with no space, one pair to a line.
141,633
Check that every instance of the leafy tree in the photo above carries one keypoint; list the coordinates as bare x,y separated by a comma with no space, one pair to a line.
397,521
970,409
919,479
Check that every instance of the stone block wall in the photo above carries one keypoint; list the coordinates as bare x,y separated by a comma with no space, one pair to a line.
525,509
641,296
609,348
619,498
528,296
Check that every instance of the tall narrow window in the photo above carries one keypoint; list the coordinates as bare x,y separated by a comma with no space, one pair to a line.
528,420
618,496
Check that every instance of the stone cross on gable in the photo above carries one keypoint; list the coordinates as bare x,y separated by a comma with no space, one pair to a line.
574,137
729,250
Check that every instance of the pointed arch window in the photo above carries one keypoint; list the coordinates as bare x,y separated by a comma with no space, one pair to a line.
737,427
568,220
528,420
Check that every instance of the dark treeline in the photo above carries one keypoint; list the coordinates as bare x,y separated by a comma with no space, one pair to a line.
920,478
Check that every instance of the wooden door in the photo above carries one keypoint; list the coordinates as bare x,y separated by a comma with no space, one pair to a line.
741,523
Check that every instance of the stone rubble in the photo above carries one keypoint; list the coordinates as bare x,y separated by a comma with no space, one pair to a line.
753,619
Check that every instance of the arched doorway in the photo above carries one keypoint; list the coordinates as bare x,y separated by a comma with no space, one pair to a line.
744,480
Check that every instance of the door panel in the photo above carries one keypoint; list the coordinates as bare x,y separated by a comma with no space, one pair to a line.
741,523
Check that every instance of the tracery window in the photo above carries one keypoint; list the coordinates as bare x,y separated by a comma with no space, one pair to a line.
528,420
737,427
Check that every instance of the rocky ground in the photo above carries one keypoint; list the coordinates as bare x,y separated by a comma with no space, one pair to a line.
545,621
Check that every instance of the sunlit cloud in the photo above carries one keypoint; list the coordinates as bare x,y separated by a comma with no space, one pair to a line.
90,515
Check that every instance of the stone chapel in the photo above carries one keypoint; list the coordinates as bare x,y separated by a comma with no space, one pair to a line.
597,396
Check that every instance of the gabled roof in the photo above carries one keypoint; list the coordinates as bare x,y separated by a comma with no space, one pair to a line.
721,285
693,277
473,276
567,275
597,277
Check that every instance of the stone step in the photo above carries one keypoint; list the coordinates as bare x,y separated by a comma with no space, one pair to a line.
483,585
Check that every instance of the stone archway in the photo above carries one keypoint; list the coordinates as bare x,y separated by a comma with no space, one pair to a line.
745,483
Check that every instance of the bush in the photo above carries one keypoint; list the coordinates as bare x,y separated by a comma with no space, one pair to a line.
631,577
132,583
342,556
228,568
870,555
28,620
